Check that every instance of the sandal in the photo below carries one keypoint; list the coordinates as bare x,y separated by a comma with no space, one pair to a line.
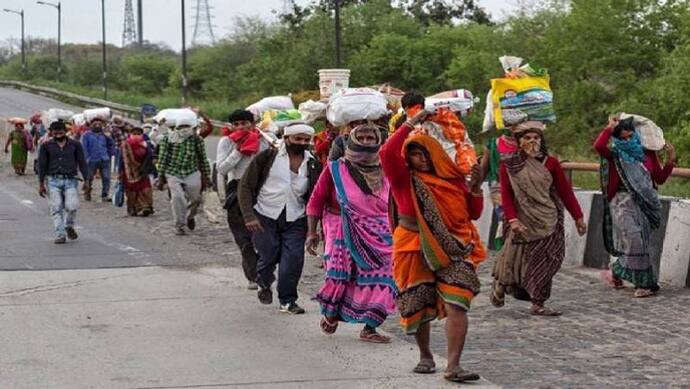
611,280
496,301
425,366
642,293
458,374
328,327
373,337
544,311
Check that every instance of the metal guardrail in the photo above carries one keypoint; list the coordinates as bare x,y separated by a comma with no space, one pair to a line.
594,167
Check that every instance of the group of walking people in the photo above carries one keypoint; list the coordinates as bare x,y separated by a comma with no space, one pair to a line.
395,211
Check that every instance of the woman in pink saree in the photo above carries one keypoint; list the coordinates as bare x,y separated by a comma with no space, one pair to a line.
351,200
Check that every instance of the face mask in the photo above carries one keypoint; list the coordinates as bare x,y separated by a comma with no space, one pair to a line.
60,138
297,148
532,147
97,129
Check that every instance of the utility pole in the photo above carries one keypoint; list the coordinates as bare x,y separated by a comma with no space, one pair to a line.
184,57
337,34
20,13
105,69
140,22
57,6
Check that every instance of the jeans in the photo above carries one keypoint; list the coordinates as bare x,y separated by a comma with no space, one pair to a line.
281,244
104,167
185,197
64,202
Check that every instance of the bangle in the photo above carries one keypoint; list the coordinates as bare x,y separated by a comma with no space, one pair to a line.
409,124
312,235
480,193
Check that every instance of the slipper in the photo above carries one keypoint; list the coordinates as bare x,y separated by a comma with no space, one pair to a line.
373,337
544,311
328,327
458,374
425,366
642,293
494,299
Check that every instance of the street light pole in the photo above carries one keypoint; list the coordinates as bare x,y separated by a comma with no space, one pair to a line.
20,13
337,34
184,57
105,69
57,6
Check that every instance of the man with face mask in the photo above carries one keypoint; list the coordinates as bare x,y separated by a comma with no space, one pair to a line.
273,193
59,160
99,148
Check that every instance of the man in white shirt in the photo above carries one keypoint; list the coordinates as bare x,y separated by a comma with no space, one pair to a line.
235,152
273,194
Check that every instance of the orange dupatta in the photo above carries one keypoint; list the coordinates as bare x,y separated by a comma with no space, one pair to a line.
446,232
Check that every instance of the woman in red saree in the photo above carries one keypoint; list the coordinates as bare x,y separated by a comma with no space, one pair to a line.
137,164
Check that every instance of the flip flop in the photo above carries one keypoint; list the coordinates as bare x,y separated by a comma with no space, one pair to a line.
327,327
544,311
642,293
494,299
458,374
425,366
373,337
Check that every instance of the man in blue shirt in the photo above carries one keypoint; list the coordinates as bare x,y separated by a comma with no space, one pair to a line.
98,150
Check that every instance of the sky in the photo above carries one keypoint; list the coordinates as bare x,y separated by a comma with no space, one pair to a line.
81,19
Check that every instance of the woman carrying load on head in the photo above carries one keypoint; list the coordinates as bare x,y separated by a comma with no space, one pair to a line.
436,248
20,142
352,197
629,177
534,191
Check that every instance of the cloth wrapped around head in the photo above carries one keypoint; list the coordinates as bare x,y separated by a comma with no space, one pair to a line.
362,160
299,128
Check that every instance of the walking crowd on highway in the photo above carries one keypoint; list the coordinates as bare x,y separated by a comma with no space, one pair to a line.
388,200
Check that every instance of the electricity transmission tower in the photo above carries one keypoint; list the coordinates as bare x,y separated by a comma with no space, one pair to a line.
203,29
287,6
129,32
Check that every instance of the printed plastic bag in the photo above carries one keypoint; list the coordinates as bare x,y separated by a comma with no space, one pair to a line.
530,95
460,101
349,105
651,135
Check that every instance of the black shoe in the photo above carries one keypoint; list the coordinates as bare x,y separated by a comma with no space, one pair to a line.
265,296
191,224
71,233
292,308
60,240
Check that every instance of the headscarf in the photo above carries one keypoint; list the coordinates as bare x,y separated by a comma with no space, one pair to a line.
363,161
630,150
248,141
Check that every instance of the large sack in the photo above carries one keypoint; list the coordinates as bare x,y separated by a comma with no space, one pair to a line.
312,111
529,95
274,103
177,117
97,113
349,105
460,101
651,135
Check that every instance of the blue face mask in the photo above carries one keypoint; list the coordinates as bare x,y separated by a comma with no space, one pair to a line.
630,150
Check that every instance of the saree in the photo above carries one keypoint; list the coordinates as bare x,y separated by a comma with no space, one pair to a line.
358,286
19,150
628,220
526,264
436,265
137,161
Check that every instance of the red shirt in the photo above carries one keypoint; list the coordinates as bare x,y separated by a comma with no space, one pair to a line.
395,168
651,163
563,188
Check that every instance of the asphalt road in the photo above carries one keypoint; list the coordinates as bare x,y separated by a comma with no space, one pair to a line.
107,237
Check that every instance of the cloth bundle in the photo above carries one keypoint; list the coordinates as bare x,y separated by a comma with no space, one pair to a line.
97,113
349,105
177,117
